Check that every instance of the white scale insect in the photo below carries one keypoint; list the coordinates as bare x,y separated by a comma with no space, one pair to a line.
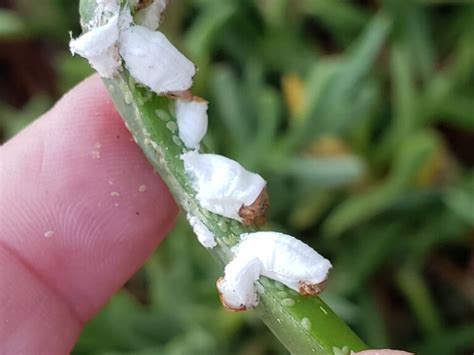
148,55
274,255
153,61
191,116
223,186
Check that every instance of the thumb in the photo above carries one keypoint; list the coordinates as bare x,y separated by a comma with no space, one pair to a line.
80,210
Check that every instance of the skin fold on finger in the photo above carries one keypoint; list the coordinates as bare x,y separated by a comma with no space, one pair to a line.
80,207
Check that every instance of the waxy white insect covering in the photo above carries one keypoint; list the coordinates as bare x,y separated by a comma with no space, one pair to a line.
204,235
281,257
192,120
222,185
148,55
154,62
237,290
99,47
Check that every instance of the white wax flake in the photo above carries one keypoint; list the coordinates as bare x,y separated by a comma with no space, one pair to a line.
223,186
204,235
154,62
282,258
150,16
99,47
192,121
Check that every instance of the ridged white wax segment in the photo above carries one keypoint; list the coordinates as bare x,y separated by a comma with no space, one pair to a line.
99,47
204,235
277,256
284,258
238,290
223,186
154,62
150,16
192,121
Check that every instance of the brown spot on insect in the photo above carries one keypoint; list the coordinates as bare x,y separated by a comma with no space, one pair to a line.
307,289
255,214
223,301
184,95
142,4
199,99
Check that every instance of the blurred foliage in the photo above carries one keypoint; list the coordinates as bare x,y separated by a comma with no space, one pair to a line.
361,116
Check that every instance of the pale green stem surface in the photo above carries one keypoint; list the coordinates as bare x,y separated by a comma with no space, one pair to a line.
305,325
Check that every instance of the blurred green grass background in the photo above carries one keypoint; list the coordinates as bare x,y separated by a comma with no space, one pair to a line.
361,116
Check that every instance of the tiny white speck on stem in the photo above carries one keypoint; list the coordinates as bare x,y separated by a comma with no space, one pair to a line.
177,141
323,310
306,324
128,98
204,235
142,188
115,194
162,115
172,126
287,302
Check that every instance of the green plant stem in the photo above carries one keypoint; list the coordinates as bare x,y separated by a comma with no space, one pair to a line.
305,325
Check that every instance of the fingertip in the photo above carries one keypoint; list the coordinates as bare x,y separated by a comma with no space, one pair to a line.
83,207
